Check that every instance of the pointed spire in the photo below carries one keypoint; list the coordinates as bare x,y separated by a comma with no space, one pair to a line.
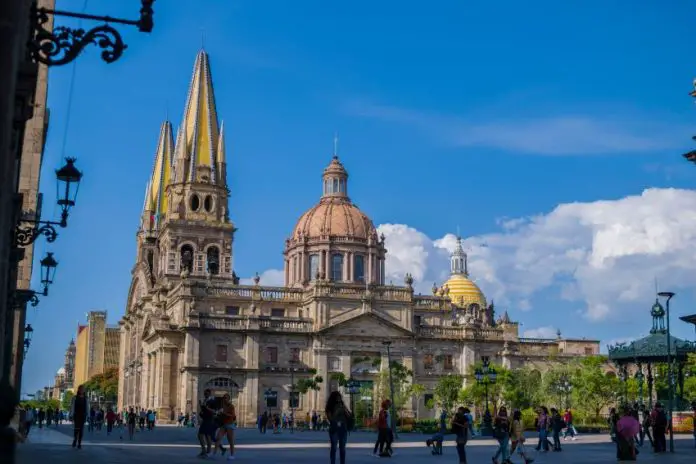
161,172
146,217
180,156
221,166
201,122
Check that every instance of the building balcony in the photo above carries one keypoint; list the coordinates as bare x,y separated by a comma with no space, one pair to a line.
460,333
250,323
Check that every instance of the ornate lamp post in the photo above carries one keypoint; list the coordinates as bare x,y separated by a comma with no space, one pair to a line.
67,186
353,389
640,378
486,375
566,388
388,343
28,335
670,376
48,273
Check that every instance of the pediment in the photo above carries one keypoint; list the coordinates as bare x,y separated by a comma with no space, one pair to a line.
366,324
148,328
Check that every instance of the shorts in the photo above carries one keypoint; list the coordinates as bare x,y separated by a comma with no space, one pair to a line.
207,429
231,426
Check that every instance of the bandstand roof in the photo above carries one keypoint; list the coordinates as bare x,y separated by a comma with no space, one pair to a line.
653,348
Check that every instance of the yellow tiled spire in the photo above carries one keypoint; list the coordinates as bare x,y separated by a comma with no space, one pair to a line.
201,122
221,166
161,173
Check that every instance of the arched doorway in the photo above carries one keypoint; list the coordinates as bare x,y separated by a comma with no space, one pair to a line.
219,386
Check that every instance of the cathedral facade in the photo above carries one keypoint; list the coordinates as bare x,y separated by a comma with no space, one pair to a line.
189,324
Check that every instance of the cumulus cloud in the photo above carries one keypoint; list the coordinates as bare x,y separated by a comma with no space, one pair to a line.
603,254
549,135
541,332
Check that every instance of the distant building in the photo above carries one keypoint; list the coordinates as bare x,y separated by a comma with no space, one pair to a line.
96,348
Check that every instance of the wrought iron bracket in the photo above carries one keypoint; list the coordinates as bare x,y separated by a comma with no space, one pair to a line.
23,297
63,44
27,235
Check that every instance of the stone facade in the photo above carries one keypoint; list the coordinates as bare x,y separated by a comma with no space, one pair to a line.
189,324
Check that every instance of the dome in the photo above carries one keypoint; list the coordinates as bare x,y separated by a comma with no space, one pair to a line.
334,217
463,291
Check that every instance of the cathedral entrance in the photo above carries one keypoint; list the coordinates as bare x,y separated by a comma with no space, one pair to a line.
220,386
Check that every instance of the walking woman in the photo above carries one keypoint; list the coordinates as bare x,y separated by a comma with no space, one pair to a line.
461,427
79,410
228,419
339,416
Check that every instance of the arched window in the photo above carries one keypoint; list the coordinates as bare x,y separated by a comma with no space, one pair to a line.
187,257
337,267
313,266
213,259
151,261
359,268
335,186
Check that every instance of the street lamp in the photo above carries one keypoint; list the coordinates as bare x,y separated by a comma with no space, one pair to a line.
566,388
639,378
486,375
353,389
28,335
670,380
388,343
293,405
48,273
68,178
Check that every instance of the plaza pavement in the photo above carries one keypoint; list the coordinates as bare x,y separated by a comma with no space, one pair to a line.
174,445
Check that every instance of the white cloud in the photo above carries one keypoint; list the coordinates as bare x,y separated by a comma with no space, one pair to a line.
550,135
270,278
604,255
541,332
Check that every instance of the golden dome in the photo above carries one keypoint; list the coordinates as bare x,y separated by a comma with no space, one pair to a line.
334,217
463,292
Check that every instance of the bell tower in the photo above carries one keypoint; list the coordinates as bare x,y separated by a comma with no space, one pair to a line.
185,226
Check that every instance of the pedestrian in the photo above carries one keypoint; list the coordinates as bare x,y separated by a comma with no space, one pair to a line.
501,432
542,425
382,429
461,429
131,417
228,419
626,430
557,424
658,419
28,420
78,410
570,429
340,421
206,430
110,420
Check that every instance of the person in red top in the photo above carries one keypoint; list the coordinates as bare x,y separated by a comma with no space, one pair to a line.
568,419
382,428
110,419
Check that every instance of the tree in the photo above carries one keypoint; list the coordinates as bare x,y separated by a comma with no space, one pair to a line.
104,384
596,389
402,377
67,400
417,391
312,383
447,391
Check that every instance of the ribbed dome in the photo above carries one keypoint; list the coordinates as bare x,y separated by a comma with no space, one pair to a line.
463,292
334,217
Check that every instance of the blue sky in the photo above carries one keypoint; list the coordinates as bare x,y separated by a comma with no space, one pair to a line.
535,128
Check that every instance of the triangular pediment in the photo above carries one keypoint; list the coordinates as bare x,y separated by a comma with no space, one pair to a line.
148,328
365,324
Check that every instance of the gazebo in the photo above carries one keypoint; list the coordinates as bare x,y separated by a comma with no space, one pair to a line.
641,356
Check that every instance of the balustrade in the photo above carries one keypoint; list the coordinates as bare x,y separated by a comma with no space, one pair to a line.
235,323
460,333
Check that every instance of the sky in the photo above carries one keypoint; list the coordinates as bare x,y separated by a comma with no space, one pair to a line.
548,133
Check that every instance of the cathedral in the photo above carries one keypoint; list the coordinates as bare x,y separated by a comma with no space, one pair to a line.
189,324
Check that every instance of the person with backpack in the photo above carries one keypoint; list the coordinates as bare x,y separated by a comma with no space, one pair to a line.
501,432
340,421
460,428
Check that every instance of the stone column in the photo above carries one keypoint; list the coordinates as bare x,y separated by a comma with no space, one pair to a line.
370,275
251,400
156,376
348,275
382,274
286,273
322,369
167,376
